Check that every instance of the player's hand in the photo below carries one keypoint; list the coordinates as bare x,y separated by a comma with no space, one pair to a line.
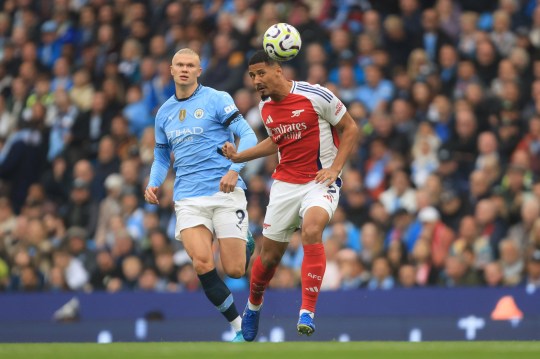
150,195
228,182
327,176
229,151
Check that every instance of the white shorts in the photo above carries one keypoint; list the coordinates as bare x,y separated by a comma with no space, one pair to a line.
289,202
224,214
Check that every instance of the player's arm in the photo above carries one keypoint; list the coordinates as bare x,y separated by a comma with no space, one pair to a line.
264,148
160,165
247,139
348,135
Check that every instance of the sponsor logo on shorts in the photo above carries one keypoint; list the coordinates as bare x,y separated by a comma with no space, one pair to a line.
266,225
329,198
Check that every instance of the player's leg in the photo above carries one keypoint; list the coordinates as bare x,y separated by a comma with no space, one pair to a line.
263,270
318,206
313,266
280,222
230,222
195,228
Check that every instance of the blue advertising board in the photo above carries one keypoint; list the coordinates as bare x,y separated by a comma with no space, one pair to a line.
399,314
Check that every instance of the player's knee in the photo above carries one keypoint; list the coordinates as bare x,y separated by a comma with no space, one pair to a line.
236,272
311,233
202,266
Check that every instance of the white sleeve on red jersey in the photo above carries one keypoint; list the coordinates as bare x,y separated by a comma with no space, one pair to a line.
328,106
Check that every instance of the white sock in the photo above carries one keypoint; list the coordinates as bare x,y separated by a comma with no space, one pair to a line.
311,314
253,306
237,324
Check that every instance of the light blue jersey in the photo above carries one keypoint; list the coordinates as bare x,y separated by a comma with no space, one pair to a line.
193,129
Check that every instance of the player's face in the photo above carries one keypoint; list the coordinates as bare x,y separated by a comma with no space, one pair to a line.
264,78
185,69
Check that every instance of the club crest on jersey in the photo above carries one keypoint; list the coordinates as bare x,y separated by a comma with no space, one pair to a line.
182,115
199,113
296,113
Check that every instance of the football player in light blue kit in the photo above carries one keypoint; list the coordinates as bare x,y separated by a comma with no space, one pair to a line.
208,192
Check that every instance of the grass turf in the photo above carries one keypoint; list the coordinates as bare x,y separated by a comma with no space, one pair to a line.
296,350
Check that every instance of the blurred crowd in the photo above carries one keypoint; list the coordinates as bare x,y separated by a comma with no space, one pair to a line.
443,188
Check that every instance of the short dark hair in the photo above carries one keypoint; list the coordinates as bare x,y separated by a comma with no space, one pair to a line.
261,56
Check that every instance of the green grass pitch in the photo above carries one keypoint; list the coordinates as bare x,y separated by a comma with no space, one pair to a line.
296,350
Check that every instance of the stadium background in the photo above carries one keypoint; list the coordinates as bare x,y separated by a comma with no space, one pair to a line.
442,191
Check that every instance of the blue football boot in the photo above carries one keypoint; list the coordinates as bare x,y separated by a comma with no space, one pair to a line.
238,338
250,323
305,324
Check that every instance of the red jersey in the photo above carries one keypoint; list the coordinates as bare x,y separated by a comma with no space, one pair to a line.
302,125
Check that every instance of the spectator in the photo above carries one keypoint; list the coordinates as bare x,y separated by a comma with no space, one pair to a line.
432,37
82,92
396,40
75,274
511,261
399,195
105,270
490,224
493,275
226,66
20,159
532,276
436,233
79,246
449,13
88,127
352,272
136,112
521,231
407,276
377,91
371,243
62,116
61,75
381,275
81,210
457,273
51,48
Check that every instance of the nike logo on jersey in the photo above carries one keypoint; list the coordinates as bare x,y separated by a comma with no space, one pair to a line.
296,113
268,120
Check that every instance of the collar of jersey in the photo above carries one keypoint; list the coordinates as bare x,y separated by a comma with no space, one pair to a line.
293,87
187,98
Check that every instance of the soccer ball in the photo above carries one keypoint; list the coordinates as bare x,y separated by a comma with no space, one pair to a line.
282,42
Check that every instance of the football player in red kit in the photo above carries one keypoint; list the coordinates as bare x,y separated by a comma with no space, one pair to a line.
303,122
